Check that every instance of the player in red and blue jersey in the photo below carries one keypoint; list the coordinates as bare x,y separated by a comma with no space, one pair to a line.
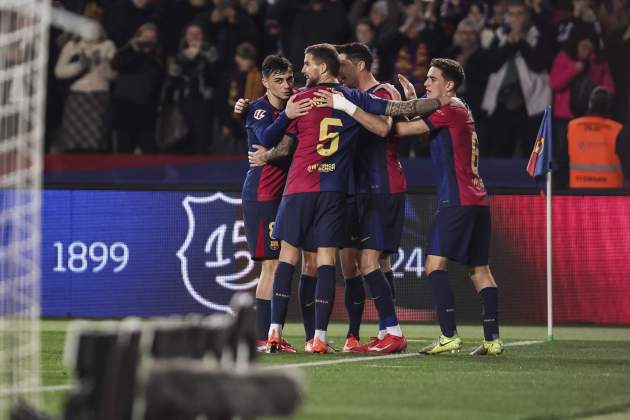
266,121
461,230
376,212
312,211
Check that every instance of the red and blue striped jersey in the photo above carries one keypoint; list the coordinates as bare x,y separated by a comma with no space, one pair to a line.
455,157
326,142
377,165
265,126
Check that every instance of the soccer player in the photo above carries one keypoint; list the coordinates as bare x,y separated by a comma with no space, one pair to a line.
461,230
266,120
380,202
312,210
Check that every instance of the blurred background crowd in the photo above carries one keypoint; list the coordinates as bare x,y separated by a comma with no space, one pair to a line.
198,57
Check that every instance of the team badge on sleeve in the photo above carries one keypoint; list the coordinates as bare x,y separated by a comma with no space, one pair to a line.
259,114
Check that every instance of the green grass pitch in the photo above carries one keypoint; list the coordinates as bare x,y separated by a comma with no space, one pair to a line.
584,373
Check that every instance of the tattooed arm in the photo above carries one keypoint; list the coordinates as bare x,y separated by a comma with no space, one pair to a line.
414,107
262,156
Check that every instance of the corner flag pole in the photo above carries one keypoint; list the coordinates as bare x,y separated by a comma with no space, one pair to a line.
549,233
549,263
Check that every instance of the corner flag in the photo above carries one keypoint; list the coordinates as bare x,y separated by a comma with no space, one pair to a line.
540,160
539,166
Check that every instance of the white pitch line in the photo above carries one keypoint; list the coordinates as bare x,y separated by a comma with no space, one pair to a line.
523,343
67,387
339,361
373,358
51,388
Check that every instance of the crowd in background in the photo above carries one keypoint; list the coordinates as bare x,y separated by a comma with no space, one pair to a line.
199,56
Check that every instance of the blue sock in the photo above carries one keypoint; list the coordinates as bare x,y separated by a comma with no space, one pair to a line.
389,275
382,297
307,304
490,312
444,301
355,301
324,296
263,317
281,292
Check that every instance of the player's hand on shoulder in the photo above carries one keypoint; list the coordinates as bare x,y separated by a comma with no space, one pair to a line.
408,89
297,109
335,100
323,98
241,106
257,157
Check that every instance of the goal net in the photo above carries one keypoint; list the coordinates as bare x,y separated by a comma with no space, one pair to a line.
23,65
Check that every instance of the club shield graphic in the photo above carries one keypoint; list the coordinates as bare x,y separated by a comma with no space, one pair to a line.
215,262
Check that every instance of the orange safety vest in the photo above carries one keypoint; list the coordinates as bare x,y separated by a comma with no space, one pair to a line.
593,161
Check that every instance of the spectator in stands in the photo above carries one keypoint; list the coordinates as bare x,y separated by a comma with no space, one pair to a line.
542,18
311,22
617,53
478,14
255,10
467,51
419,41
227,25
365,34
123,17
176,15
593,146
87,65
385,17
136,91
451,12
518,89
191,85
576,70
496,20
244,81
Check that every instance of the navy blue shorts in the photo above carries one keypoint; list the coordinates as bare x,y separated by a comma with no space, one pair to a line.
260,217
312,220
380,221
351,224
461,233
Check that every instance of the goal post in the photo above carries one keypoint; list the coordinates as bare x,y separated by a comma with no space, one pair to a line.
23,66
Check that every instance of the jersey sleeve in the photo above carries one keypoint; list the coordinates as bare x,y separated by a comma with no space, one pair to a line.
367,102
439,119
268,132
292,129
274,132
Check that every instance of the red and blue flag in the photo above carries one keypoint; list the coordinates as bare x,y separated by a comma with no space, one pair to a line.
540,160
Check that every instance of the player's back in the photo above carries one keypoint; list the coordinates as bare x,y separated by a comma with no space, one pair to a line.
455,156
262,183
326,141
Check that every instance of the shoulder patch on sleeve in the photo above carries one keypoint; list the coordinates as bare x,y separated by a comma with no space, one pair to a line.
259,114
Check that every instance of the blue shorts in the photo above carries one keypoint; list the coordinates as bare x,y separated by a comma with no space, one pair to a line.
461,233
351,225
312,220
380,220
260,218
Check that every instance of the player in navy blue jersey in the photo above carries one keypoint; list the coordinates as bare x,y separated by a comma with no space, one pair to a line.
266,121
377,216
461,230
312,211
